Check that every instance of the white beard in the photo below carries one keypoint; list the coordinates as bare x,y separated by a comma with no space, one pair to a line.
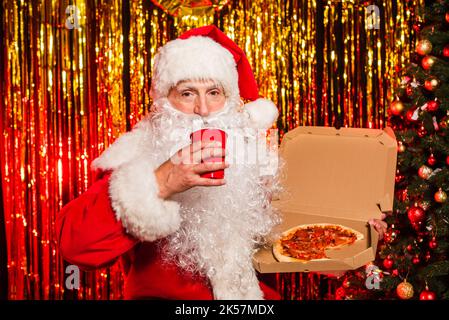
221,226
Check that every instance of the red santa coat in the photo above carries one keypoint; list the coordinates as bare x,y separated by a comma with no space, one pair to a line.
121,216
90,236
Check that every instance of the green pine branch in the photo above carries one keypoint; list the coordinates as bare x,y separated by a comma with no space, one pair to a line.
439,268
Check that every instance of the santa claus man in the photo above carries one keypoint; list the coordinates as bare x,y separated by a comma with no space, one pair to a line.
180,235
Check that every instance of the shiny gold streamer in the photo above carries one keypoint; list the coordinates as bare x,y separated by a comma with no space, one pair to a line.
67,93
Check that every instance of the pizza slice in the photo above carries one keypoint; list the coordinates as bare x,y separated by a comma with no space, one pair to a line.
310,241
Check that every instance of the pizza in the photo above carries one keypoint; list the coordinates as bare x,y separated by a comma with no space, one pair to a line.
310,241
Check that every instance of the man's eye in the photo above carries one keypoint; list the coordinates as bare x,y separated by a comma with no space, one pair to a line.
215,93
186,94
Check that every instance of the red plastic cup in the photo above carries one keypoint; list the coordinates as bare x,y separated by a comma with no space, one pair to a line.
207,135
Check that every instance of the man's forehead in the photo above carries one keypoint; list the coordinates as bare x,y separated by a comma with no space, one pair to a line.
206,83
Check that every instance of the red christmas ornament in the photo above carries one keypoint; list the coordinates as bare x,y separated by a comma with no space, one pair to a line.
409,248
433,244
447,17
340,293
427,294
440,196
417,26
431,84
446,51
395,273
399,178
431,160
409,115
416,214
422,131
433,105
416,260
447,160
427,62
390,235
388,263
424,172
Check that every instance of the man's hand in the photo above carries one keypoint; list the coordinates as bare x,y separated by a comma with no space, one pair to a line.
379,225
182,171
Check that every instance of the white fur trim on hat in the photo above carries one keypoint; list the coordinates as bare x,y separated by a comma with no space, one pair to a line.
195,58
262,113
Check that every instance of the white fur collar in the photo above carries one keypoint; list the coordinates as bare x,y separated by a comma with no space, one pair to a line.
125,148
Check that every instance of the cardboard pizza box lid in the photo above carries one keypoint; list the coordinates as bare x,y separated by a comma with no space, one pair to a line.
344,173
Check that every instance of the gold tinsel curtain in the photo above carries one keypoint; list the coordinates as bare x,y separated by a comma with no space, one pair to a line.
76,74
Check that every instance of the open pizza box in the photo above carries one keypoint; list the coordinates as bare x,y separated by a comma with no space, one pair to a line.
337,176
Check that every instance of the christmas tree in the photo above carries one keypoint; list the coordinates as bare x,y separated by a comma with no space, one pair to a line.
412,259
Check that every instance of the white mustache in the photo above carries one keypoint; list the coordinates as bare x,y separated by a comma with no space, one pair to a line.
197,120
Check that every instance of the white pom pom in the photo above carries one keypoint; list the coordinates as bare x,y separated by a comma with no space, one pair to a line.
262,113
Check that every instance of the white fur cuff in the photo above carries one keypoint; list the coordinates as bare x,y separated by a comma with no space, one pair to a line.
134,197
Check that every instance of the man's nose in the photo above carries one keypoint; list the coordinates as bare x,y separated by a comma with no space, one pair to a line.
201,106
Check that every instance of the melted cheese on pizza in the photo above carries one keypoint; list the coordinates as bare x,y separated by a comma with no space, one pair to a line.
311,242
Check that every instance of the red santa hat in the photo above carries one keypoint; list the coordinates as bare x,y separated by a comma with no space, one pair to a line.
207,53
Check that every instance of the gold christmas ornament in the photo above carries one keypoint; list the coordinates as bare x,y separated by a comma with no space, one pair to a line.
424,47
424,204
396,107
444,123
440,196
404,290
